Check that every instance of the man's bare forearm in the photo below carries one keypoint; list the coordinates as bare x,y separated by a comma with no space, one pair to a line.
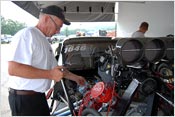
71,76
26,71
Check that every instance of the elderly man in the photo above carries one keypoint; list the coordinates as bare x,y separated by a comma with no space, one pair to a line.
32,65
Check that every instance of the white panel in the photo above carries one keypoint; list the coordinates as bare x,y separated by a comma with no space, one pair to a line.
159,15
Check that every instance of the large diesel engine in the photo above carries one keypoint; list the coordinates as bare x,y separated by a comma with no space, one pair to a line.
125,76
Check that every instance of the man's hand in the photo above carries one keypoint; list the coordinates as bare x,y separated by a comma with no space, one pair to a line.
71,76
80,80
56,73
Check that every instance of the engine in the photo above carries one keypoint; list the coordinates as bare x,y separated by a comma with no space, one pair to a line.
126,76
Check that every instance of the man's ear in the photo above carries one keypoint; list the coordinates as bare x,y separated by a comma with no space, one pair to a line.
46,18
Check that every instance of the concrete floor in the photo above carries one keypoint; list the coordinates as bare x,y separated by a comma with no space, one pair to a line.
5,109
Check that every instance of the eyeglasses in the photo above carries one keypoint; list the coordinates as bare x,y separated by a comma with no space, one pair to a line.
57,27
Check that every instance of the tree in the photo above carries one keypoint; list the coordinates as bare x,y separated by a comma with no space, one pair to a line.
66,31
11,27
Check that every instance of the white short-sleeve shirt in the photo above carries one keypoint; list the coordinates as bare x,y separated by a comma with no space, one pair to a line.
30,46
138,34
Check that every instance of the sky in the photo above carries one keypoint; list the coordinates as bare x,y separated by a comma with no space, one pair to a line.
11,11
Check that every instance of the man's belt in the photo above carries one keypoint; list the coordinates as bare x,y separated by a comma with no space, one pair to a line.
23,92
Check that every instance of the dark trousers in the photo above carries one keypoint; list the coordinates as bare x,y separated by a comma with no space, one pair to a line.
28,105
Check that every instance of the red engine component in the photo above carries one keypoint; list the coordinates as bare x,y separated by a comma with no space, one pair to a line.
100,93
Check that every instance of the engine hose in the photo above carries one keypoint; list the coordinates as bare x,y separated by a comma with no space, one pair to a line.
90,111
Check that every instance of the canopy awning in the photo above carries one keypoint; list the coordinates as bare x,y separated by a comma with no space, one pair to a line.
76,11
